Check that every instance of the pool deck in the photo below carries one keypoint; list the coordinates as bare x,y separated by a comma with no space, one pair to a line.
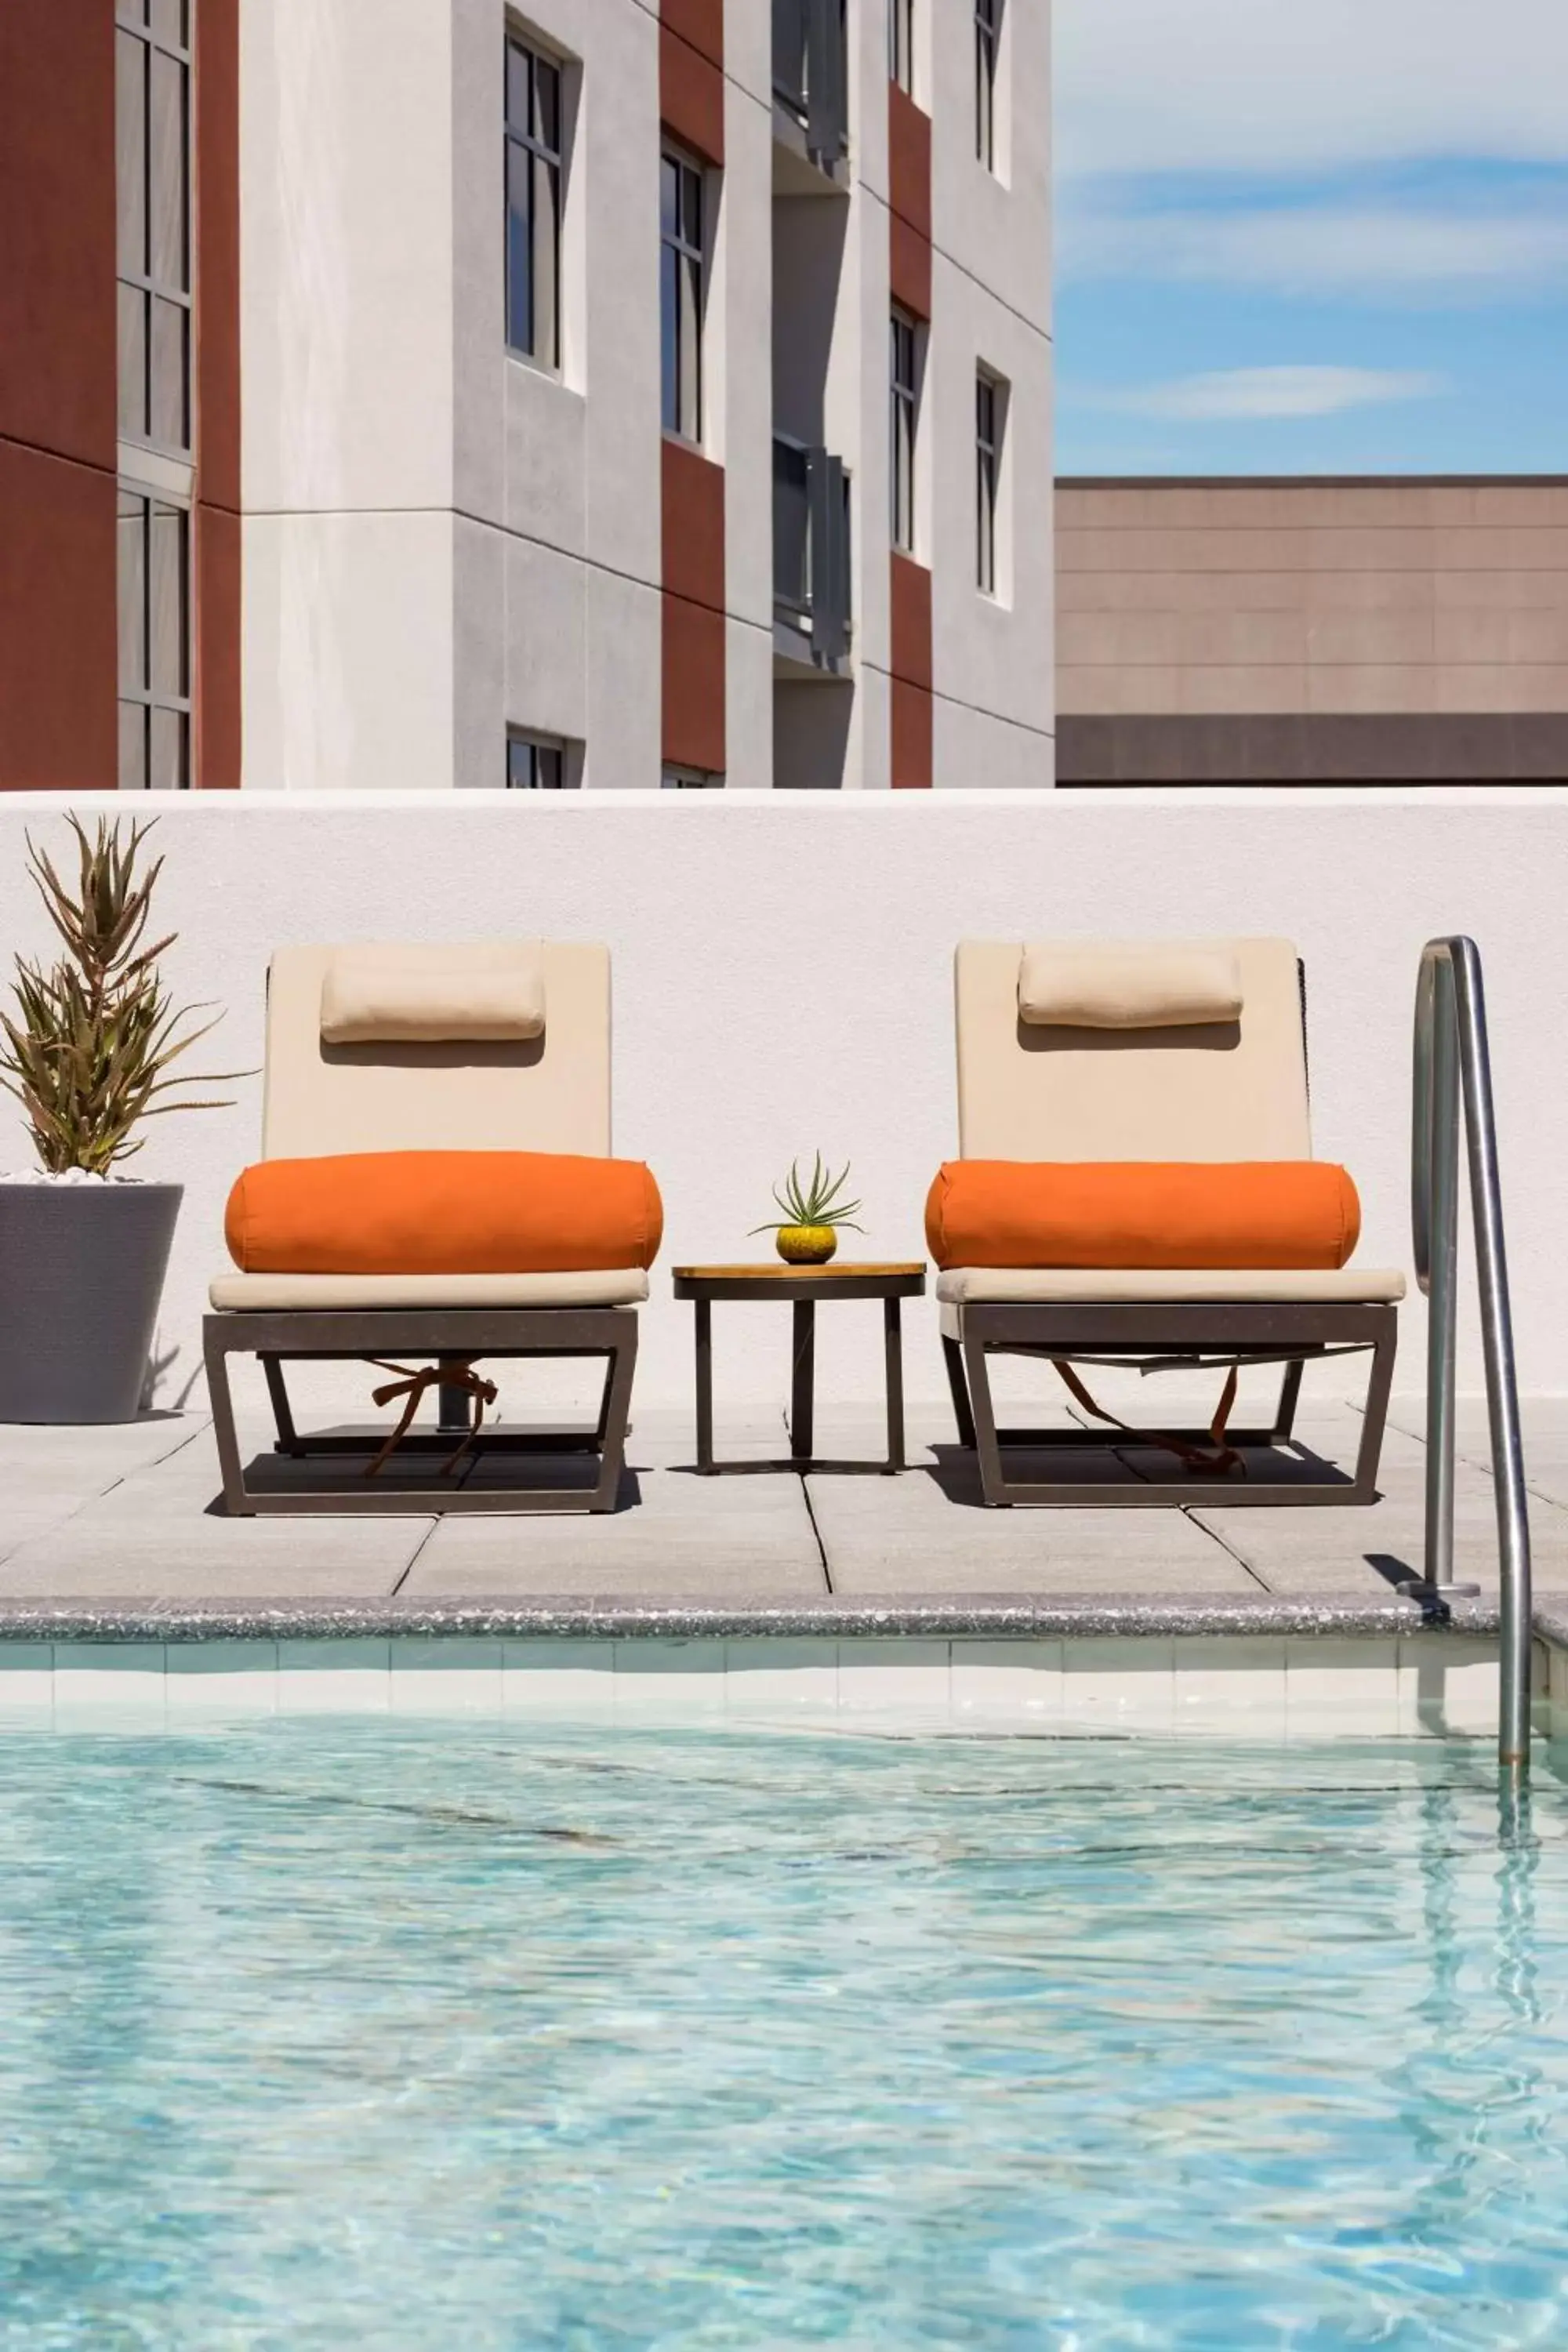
106,1533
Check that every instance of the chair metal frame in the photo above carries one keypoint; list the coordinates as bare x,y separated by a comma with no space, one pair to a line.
451,1335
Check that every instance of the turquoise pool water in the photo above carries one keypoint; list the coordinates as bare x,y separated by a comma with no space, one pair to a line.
385,2034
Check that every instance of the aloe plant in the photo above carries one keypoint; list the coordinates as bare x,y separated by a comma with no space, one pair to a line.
89,1048
814,1203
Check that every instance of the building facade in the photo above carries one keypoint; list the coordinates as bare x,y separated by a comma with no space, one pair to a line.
1382,631
608,394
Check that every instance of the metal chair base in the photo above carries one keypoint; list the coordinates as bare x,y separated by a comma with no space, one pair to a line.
466,1335
1289,1335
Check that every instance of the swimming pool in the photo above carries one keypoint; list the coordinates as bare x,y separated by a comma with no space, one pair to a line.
403,2033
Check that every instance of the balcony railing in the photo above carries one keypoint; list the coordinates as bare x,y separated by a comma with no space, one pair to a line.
811,549
811,73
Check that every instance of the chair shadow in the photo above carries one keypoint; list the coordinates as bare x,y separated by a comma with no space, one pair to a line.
956,1469
348,1474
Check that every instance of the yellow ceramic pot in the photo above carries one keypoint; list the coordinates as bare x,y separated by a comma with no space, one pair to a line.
807,1245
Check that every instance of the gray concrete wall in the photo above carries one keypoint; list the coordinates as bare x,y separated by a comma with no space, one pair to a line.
1312,631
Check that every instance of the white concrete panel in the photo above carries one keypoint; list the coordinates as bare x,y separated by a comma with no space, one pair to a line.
740,367
971,750
995,225
624,682
346,242
480,652
748,705
347,641
546,631
748,53
545,459
996,652
618,143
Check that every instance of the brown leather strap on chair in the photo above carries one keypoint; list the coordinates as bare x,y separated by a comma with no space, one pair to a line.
1218,1458
413,1387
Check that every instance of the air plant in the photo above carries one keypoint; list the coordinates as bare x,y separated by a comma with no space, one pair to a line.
814,1203
89,1049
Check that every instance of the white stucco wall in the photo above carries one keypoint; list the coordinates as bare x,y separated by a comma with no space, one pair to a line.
783,982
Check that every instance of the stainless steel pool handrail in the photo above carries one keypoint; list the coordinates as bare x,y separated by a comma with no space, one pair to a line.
1453,1066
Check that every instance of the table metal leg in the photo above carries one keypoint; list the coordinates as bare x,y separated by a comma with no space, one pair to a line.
704,1312
893,1346
802,1383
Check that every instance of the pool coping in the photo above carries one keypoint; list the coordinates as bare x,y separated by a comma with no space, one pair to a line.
622,1618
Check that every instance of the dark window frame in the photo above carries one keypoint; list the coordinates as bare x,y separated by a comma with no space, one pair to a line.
901,44
987,62
545,761
903,416
527,146
989,433
148,656
152,297
682,292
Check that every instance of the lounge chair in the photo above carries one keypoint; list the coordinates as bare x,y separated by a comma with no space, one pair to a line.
1122,1056
431,1060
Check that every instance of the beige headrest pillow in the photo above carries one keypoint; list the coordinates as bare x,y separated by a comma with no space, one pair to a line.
474,992
1067,984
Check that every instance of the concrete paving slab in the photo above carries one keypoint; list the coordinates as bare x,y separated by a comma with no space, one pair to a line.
45,1472
910,1535
1544,1422
1369,1548
675,1533
156,1534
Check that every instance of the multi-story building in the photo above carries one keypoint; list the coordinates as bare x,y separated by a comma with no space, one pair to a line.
437,394
1397,630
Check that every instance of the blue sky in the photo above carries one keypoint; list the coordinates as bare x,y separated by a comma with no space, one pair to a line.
1311,235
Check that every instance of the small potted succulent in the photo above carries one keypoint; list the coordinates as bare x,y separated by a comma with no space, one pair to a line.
813,1214
86,1050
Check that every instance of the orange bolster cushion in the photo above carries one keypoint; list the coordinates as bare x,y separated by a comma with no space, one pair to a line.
444,1212
1133,1212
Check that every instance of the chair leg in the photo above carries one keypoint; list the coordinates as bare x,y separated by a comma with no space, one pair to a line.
953,1356
289,1438
1290,1393
236,1501
993,1483
618,1408
1377,1411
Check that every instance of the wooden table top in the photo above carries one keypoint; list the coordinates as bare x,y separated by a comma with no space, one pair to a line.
776,1270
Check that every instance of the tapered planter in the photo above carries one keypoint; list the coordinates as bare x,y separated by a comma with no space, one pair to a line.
81,1273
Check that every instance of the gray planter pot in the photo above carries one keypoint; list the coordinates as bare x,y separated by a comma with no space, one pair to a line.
81,1273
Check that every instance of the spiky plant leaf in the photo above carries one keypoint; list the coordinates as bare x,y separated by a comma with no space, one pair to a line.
90,1046
813,1201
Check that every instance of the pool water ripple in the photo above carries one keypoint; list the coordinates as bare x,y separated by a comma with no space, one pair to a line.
409,2035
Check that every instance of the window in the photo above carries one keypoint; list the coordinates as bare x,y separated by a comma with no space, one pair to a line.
987,43
990,414
535,763
690,780
903,423
532,206
153,584
153,216
680,229
901,43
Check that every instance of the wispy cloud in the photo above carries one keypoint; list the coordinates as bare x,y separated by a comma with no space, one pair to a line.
1316,248
1228,394
1146,85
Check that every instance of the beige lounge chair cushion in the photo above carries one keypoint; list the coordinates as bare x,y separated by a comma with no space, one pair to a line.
1007,1285
1208,1090
234,1293
1080,985
547,1093
468,991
